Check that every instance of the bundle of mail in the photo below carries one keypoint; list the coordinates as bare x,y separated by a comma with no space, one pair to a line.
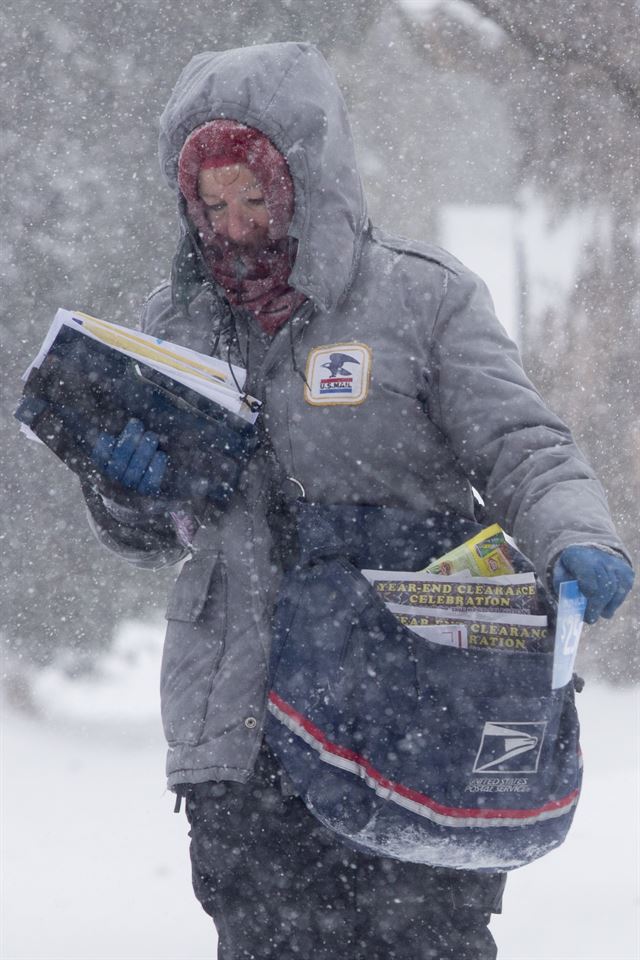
211,378
470,598
90,377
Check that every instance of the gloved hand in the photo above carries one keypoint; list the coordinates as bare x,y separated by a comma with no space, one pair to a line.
604,578
132,458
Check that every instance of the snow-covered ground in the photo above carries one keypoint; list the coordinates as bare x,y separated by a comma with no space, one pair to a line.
95,864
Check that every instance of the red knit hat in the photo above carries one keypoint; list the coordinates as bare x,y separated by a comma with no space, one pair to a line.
222,143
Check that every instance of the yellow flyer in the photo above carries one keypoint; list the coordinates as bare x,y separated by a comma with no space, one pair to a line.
485,555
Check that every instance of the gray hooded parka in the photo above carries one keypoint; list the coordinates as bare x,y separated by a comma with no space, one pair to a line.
393,385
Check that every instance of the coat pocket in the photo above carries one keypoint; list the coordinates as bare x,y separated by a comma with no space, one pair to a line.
189,594
194,645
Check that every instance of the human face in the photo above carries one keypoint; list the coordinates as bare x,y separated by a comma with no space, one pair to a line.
234,204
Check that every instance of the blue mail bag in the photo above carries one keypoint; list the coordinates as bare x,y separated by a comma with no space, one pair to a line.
405,748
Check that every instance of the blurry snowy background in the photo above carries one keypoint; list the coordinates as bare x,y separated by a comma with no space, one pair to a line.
506,130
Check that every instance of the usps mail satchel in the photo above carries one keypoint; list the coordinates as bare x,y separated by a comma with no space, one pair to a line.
460,758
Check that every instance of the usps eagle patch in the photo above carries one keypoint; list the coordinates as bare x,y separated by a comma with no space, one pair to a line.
338,373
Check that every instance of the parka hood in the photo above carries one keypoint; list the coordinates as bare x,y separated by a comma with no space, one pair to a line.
288,92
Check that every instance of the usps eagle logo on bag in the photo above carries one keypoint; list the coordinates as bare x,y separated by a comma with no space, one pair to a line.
338,373
510,747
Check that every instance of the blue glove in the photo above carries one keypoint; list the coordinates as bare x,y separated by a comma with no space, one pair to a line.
132,458
604,578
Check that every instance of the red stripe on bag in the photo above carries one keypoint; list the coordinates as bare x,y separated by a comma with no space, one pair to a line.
368,772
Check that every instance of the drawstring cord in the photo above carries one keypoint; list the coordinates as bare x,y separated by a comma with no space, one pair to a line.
227,321
254,405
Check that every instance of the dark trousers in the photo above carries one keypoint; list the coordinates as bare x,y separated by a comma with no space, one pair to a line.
279,885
